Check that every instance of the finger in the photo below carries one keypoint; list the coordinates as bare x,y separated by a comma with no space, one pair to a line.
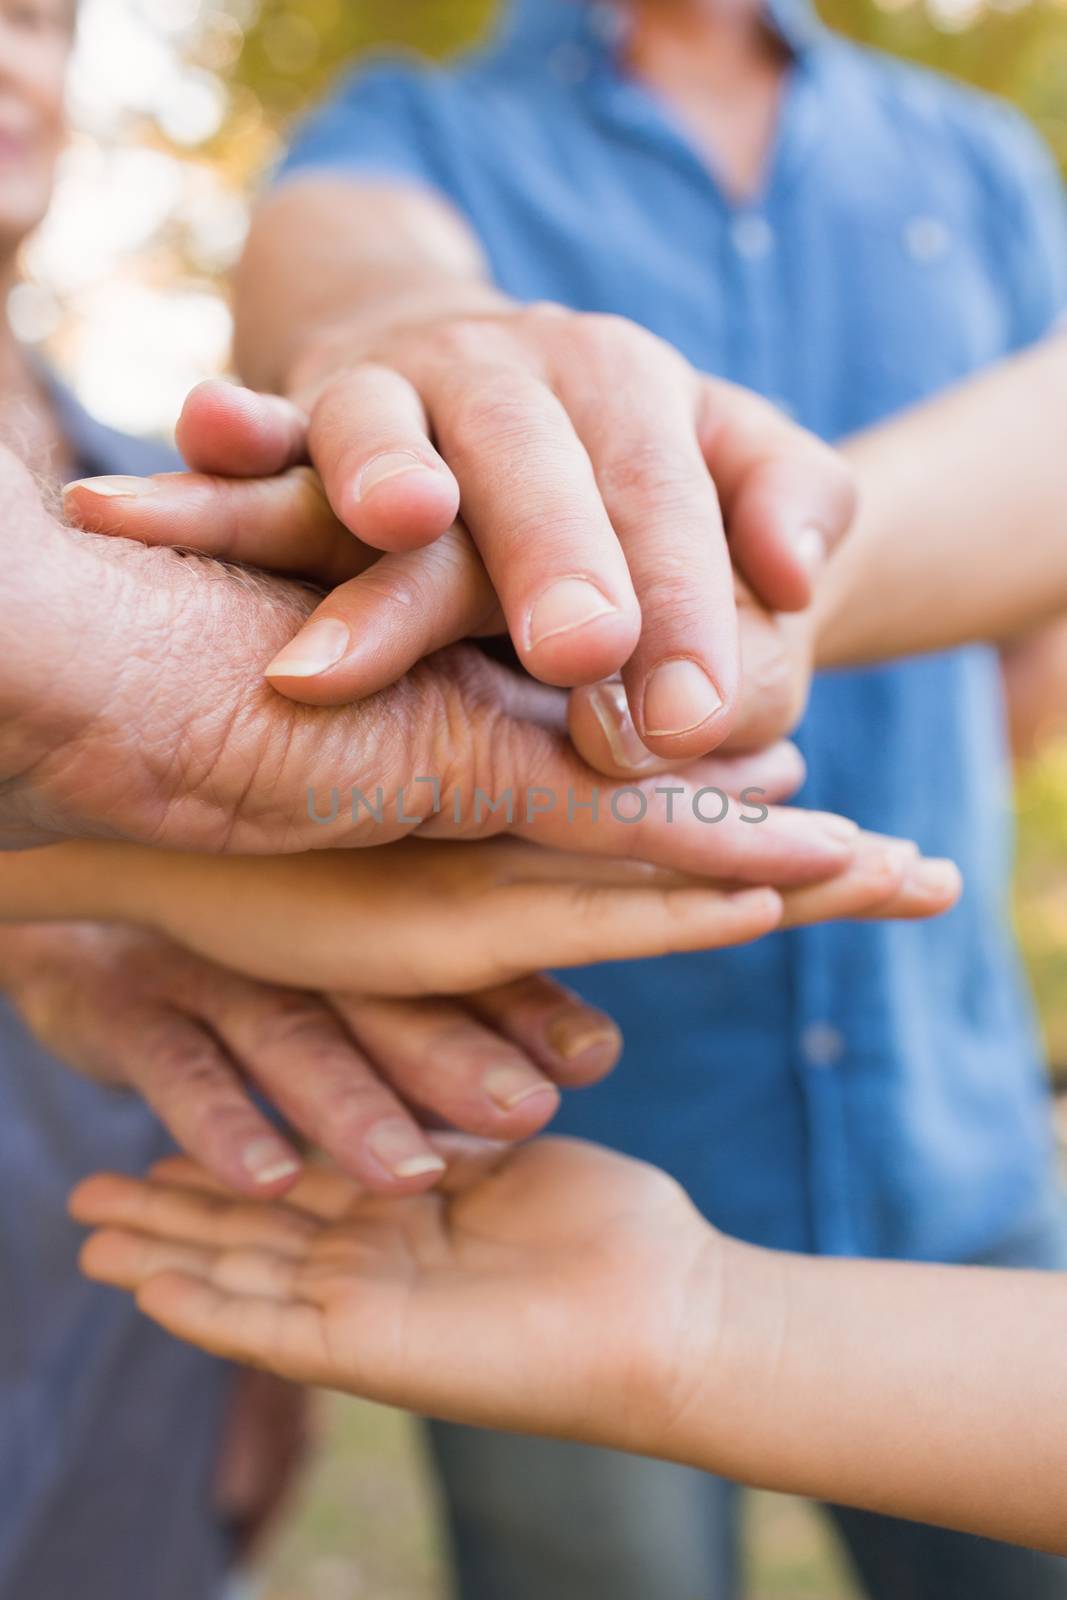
680,820
533,508
321,1192
574,1043
571,926
283,524
884,883
286,1338
368,633
439,1056
228,429
788,499
384,479
682,678
126,1260
194,1087
603,733
469,1161
295,1048
191,1216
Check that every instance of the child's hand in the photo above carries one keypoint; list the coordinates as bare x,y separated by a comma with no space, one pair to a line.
419,918
554,1288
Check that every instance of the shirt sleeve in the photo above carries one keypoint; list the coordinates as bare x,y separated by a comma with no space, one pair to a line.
1029,217
375,124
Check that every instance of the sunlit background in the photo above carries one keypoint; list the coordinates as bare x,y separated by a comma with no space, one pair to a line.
179,107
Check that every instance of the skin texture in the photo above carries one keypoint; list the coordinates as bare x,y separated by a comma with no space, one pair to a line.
600,524
383,922
398,608
565,1290
337,1016
351,1074
156,725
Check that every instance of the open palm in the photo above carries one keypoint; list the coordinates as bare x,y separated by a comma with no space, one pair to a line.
537,1289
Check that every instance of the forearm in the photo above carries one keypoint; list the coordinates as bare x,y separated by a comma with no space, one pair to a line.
932,1393
342,255
962,533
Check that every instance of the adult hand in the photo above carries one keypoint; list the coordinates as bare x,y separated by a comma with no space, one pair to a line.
198,1042
157,726
391,610
570,548
595,469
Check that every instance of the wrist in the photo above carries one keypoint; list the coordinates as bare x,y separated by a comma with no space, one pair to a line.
735,1322
349,340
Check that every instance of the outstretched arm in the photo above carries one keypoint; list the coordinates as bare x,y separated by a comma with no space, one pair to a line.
384,921
962,531
560,1289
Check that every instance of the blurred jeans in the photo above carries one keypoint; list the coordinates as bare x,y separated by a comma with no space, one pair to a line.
537,1519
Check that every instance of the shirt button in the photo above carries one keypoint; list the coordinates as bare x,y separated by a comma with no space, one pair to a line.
822,1044
753,236
926,239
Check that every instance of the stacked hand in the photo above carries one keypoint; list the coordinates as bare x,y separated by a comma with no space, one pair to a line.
557,1288
174,739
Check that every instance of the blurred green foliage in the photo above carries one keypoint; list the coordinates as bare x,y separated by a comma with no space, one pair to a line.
293,47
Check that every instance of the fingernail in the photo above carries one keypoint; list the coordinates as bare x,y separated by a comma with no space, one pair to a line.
114,488
402,1150
679,696
321,646
574,1036
613,714
510,1087
934,878
396,464
268,1162
567,604
811,550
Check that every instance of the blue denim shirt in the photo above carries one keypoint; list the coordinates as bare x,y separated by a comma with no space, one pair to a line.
109,1428
870,1088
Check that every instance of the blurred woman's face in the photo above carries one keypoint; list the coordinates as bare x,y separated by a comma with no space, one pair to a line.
35,41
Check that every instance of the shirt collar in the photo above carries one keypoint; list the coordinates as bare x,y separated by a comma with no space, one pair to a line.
545,25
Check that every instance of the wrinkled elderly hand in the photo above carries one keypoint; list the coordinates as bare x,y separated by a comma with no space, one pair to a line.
134,706
196,1041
